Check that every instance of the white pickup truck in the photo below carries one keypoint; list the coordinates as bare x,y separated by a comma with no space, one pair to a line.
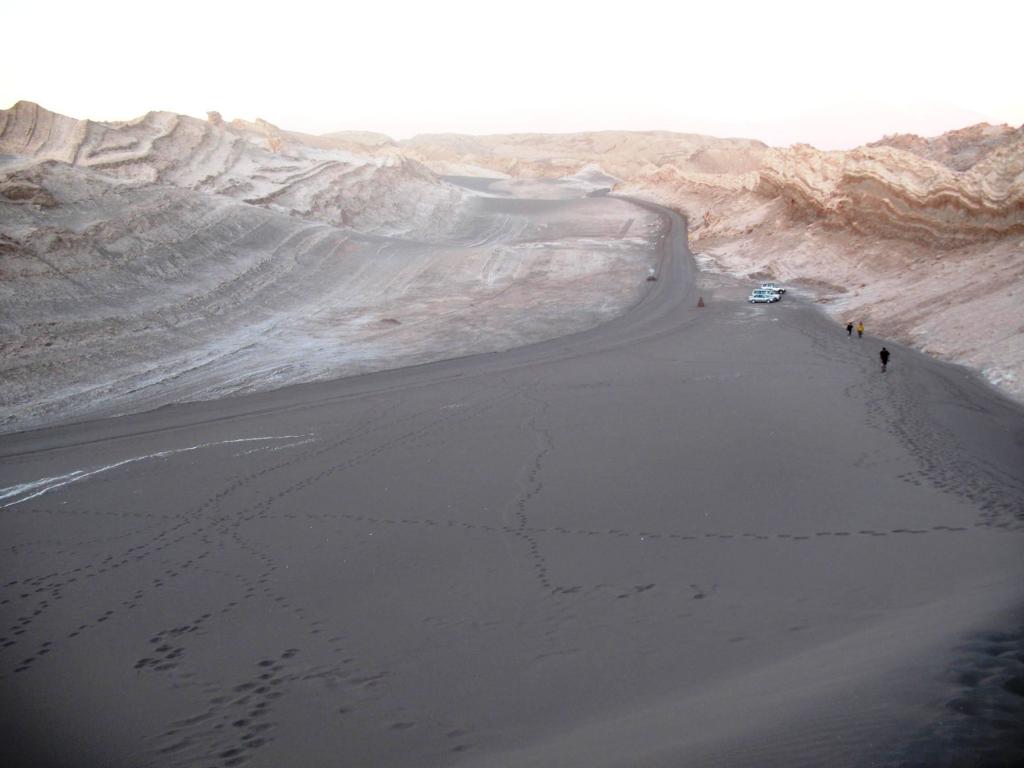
772,287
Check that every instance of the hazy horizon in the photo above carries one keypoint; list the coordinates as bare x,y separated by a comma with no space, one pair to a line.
792,73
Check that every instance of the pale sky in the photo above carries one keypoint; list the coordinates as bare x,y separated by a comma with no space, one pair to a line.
830,74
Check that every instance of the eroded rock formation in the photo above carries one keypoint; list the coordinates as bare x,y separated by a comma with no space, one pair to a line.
257,163
959,150
889,192
622,154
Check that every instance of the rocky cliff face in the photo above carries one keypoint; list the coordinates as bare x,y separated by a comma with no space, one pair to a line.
255,163
958,150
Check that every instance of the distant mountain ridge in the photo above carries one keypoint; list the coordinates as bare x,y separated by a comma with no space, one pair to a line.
620,153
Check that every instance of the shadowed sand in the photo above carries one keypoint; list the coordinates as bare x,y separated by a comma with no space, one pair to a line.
685,537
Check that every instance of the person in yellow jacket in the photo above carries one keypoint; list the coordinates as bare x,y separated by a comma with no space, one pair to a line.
860,328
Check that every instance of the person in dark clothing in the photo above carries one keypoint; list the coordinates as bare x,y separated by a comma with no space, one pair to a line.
849,328
884,357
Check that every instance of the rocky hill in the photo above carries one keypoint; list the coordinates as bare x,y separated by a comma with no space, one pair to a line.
959,150
167,258
890,192
255,163
622,154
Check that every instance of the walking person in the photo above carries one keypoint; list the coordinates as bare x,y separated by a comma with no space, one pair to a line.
860,328
849,328
884,357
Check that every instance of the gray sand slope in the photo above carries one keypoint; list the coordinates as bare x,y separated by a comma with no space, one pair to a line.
689,536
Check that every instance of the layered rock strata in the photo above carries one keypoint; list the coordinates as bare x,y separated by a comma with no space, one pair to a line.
255,163
890,192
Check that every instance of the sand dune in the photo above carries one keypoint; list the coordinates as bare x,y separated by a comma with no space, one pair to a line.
659,535
713,536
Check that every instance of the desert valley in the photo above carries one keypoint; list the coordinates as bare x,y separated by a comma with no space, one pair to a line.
471,451
173,222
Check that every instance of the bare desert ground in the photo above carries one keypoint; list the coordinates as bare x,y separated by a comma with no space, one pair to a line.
340,450
685,537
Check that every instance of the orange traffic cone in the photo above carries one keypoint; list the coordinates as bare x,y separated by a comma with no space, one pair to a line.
700,302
